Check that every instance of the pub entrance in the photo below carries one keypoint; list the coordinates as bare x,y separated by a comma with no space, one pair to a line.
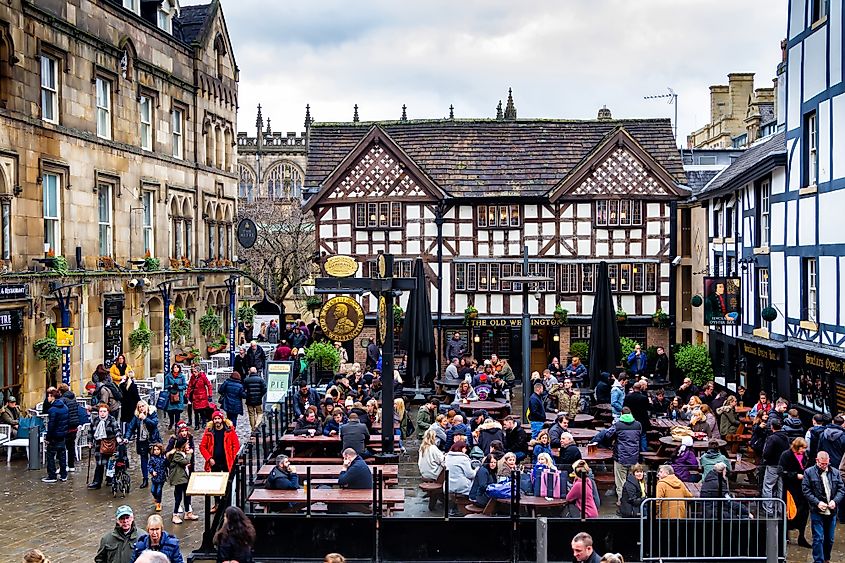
503,338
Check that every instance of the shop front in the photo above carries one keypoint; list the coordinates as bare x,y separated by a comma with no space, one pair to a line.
818,380
11,327
503,336
760,366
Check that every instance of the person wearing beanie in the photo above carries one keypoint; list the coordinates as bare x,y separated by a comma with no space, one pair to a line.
626,435
685,460
219,445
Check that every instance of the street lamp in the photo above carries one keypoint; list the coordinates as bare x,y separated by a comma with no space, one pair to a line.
525,280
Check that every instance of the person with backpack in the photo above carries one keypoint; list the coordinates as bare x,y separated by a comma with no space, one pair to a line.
175,386
626,434
107,393
54,441
104,435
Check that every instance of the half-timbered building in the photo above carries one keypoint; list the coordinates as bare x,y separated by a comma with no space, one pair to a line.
467,195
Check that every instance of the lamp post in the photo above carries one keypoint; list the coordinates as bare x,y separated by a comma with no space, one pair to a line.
165,289
526,281
232,286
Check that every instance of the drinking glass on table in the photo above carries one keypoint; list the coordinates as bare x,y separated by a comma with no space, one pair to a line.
311,432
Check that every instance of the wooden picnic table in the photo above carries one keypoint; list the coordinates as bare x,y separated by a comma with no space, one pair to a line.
391,471
532,503
603,407
665,424
700,445
266,497
743,467
376,428
742,410
489,406
320,442
600,454
579,420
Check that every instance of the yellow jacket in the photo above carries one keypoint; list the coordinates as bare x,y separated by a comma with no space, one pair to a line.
115,372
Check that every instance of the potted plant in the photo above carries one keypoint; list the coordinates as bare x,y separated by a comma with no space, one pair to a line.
621,315
561,314
151,264
218,345
140,339
696,301
660,318
246,314
60,265
186,262
627,345
47,350
694,361
211,325
180,326
313,302
193,353
323,356
470,313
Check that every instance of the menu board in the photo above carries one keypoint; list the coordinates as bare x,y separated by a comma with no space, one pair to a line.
112,330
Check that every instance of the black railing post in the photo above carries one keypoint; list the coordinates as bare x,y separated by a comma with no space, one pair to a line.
308,486
446,494
584,477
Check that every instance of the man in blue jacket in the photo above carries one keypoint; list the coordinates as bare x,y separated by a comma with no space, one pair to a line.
355,475
536,409
283,477
638,362
57,429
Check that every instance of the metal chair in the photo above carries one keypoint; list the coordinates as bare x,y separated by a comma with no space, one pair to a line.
5,433
82,439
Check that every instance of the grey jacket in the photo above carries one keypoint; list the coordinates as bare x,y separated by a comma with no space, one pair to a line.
354,435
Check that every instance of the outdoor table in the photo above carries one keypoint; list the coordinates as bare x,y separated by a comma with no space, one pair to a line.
667,424
489,406
742,410
601,454
390,497
743,467
700,445
314,443
579,420
603,407
533,503
318,471
376,427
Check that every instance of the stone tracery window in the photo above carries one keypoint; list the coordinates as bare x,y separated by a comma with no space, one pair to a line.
284,181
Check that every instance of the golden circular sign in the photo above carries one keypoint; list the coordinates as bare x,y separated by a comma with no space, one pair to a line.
382,266
341,266
341,318
382,319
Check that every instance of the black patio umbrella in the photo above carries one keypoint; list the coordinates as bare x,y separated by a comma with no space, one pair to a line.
605,349
418,332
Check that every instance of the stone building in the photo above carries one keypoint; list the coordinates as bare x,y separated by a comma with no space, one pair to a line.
117,140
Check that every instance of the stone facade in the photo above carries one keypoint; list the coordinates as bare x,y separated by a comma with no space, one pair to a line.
117,140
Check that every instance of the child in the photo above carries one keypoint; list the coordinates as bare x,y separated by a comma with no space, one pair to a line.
158,472
542,444
179,462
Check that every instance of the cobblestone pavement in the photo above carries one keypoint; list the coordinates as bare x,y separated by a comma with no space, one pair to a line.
66,520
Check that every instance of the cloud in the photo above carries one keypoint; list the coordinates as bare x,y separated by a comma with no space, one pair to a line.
564,59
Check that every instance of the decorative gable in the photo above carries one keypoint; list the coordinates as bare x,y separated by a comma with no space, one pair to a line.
618,167
377,174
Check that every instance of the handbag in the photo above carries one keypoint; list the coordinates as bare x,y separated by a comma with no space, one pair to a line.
791,508
161,402
108,446
501,489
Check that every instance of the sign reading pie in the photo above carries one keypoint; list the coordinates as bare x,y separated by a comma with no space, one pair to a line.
341,266
342,318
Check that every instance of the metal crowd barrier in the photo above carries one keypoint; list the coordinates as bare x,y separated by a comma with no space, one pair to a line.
713,529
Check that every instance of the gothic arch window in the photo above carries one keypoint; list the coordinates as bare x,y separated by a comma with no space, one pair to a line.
220,54
246,182
284,181
127,59
7,63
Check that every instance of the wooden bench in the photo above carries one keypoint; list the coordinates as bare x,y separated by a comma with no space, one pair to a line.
266,498
326,471
434,490
302,459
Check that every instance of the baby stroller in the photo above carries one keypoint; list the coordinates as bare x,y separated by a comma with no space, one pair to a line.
121,481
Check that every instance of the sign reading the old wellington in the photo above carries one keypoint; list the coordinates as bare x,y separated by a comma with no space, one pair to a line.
247,233
341,266
342,318
514,323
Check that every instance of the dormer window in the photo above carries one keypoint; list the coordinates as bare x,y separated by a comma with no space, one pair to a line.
165,19
133,5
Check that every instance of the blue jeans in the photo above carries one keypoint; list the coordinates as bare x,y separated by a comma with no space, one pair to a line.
55,448
536,427
823,529
156,490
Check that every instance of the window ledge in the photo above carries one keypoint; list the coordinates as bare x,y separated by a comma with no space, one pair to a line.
809,325
809,190
761,333
730,240
718,240
761,250
818,23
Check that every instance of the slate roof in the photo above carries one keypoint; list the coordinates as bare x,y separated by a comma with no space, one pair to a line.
697,179
192,21
767,113
475,158
757,159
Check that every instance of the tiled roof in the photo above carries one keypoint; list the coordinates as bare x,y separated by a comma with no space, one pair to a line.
192,20
697,179
767,112
470,158
742,170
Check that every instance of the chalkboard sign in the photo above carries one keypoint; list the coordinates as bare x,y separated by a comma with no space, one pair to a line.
112,330
278,380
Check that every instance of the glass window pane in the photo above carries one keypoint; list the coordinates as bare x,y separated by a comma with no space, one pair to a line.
482,215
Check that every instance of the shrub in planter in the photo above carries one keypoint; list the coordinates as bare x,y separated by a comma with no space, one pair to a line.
769,314
621,315
580,349
323,355
48,351
140,339
313,302
561,314
660,318
695,362
628,346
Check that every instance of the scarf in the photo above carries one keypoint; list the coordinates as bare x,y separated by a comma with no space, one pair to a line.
143,435
100,431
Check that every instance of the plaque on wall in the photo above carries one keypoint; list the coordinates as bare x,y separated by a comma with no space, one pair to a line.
112,330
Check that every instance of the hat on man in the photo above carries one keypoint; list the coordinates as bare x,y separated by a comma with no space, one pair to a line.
11,399
122,511
218,413
482,377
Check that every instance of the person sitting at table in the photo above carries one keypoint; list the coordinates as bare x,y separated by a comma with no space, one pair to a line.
543,466
305,398
431,459
556,369
569,452
728,418
691,406
541,445
482,387
675,410
708,393
503,368
11,414
576,370
308,425
698,422
465,392
461,472
497,449
516,439
508,467
792,424
711,457
486,475
684,461
486,433
499,391
671,487
762,405
716,486
659,403
686,390
560,426
283,477
458,428
440,426
633,492
581,481
355,475
334,422
354,434
363,416
468,368
477,419
565,398
603,383
451,375
549,380
711,422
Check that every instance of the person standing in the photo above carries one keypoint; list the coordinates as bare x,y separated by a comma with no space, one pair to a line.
661,365
617,395
235,538
282,352
456,348
273,332
240,366
116,546
129,398
104,435
776,444
119,369
232,395
372,355
254,388
69,399
638,402
354,434
670,487
255,357
627,434
175,386
822,487
156,539
199,393
57,428
144,429
178,474
792,464
536,409
219,445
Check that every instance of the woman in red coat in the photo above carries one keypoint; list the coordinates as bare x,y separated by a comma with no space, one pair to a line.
199,392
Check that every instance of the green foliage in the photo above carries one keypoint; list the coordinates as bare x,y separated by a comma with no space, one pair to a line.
621,315
769,314
694,361
398,315
323,355
580,349
140,339
60,265
313,302
660,318
470,313
48,351
180,326
211,325
561,314
152,264
628,346
246,314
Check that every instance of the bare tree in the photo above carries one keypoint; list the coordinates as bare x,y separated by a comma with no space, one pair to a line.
282,256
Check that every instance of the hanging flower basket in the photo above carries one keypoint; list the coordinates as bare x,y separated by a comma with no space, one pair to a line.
621,316
769,314
313,302
469,314
561,315
660,318
696,301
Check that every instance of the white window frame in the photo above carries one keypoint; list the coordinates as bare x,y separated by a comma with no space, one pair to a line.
498,216
104,109
52,221
177,127
148,220
812,141
765,211
165,20
132,5
49,89
145,117
762,289
619,213
812,288
569,274
392,213
105,220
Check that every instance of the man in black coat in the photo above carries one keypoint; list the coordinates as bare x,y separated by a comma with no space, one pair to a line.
776,444
283,477
638,402
255,388
256,358
516,439
354,435
69,399
661,365
355,475
57,426
823,488
569,452
372,354
241,361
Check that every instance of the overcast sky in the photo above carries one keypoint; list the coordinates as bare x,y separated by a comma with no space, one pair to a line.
563,58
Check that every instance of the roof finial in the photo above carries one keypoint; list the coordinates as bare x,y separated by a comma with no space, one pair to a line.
404,113
510,109
307,115
269,131
499,115
451,111
355,115
259,121
604,114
